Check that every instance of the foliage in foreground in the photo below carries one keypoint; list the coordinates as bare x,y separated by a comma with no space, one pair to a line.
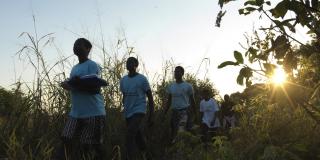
272,124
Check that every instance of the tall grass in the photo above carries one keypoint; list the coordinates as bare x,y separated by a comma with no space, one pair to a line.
32,115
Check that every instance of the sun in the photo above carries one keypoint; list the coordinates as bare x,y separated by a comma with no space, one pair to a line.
279,76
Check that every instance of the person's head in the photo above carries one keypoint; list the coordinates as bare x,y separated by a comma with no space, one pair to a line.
82,47
206,94
226,97
132,64
178,72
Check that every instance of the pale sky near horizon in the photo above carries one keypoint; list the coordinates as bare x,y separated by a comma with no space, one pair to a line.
182,30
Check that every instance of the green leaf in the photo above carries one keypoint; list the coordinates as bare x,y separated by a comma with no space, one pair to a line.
250,9
240,79
241,11
281,46
219,17
268,3
246,72
310,32
279,24
250,2
259,2
227,63
289,25
221,3
248,82
280,10
269,68
252,51
238,57
301,11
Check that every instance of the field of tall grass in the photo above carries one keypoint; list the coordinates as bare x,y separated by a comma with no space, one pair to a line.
32,115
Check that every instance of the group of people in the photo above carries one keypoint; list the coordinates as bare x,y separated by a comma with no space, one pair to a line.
87,118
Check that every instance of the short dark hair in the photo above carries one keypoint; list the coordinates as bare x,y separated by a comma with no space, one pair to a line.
83,41
226,97
135,60
206,90
181,68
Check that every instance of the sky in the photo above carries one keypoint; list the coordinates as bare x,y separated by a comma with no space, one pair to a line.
160,30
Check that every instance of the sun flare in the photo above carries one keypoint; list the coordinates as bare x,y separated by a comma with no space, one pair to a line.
279,76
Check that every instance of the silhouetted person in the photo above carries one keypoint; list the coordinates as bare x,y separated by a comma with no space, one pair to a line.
209,113
86,119
180,98
135,88
228,114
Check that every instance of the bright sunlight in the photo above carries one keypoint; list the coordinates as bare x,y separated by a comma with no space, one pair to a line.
279,76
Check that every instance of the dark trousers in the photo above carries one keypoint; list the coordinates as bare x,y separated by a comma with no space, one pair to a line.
205,132
135,137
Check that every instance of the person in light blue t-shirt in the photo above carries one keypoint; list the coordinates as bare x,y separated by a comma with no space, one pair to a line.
87,116
135,88
180,98
85,104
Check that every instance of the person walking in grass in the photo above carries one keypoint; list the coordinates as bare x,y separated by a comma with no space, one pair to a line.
86,120
209,113
135,88
181,99
228,114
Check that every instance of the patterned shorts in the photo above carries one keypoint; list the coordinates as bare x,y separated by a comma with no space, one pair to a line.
179,119
88,130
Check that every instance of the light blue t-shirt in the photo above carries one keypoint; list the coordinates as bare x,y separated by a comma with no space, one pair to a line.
134,93
180,93
85,104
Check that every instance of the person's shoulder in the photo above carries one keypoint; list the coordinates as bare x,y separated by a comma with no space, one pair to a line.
124,77
75,66
92,63
187,84
213,100
172,84
141,76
